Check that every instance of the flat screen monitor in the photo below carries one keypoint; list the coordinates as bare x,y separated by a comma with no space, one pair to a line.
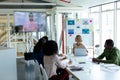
26,21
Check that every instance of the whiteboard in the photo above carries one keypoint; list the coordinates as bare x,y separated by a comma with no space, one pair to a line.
83,27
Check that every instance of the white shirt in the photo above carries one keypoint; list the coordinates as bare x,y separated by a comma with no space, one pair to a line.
51,63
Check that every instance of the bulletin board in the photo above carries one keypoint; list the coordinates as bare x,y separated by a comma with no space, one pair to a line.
83,27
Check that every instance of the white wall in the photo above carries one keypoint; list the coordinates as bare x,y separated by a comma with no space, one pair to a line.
58,18
8,68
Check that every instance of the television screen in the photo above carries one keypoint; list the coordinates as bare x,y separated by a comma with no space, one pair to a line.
29,21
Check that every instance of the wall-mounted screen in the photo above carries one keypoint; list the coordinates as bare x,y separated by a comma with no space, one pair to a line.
26,21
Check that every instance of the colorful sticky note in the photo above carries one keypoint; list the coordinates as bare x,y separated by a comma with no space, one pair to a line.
85,31
70,31
71,22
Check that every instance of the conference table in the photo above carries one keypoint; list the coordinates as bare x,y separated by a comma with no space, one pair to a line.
92,71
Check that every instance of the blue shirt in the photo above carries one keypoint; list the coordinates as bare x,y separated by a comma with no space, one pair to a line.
39,57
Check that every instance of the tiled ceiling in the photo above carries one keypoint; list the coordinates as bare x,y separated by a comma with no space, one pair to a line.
29,4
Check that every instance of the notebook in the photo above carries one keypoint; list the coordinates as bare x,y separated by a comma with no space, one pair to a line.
80,52
76,68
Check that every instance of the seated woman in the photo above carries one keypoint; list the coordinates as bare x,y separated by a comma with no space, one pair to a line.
78,44
38,53
53,66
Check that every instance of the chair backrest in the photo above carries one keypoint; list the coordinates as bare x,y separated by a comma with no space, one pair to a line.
80,52
44,74
38,71
29,56
32,70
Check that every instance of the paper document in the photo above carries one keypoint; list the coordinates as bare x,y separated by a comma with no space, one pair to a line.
110,67
64,62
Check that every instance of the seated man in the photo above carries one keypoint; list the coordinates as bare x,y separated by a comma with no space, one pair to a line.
111,53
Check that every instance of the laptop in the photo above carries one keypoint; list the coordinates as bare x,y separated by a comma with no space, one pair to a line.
80,52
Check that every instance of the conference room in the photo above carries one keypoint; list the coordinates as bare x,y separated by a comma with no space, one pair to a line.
61,21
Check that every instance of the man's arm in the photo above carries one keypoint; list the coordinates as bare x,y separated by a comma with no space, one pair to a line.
99,58
113,58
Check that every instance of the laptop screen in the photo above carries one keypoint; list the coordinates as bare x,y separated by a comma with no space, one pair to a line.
80,52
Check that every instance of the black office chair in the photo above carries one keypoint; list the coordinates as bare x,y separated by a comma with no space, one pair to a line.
29,56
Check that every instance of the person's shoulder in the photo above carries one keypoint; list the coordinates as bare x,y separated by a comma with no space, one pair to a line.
115,48
74,44
82,44
55,57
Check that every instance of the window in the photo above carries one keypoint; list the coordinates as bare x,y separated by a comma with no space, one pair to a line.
95,14
118,5
96,19
107,26
103,24
107,22
108,7
118,28
95,9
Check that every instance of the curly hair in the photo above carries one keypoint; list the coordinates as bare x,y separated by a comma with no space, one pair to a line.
50,48
40,44
109,42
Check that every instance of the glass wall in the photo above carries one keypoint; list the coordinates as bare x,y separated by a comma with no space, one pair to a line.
21,41
106,23
107,26
96,18
118,25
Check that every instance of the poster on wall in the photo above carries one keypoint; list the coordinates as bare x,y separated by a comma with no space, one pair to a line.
83,27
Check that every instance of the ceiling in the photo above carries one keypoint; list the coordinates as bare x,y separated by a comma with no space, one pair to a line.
81,3
29,4
47,4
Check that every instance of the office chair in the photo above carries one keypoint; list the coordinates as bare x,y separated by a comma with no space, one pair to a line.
43,72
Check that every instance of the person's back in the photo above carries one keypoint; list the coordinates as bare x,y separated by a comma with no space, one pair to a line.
112,57
52,62
118,56
38,52
39,57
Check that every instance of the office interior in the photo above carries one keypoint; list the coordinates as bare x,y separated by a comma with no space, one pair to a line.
105,14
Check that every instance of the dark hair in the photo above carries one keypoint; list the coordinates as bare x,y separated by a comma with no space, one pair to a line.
45,39
40,44
30,14
109,42
50,48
